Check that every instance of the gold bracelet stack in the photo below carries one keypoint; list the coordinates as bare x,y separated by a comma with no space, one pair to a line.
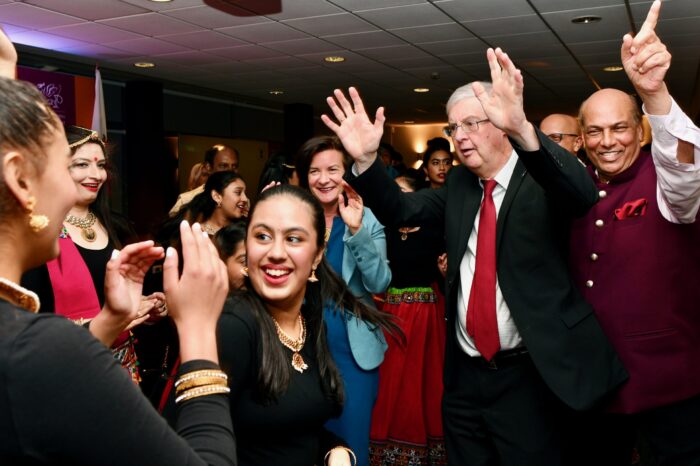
350,452
200,383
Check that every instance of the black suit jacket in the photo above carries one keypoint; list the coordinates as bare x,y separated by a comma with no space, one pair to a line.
558,327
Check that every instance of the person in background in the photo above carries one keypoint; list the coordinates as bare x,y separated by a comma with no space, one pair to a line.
411,374
393,161
218,158
278,169
356,251
437,162
72,285
198,176
565,131
230,241
635,257
59,383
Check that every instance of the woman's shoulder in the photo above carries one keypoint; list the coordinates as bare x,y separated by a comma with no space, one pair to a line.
238,313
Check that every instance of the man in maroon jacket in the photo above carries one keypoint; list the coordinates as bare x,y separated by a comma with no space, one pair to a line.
636,257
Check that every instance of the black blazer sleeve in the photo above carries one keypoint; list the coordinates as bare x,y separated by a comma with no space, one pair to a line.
71,403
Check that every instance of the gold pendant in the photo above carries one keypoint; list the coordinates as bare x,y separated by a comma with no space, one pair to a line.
88,234
298,363
404,236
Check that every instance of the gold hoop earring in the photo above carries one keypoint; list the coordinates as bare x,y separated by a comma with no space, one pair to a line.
313,278
244,271
36,222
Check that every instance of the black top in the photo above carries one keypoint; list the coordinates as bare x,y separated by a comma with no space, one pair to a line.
290,431
39,281
74,405
413,260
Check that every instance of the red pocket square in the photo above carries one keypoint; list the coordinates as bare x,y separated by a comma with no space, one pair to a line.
632,209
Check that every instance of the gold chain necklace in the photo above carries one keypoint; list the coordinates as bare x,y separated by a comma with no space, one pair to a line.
294,344
85,225
20,295
208,229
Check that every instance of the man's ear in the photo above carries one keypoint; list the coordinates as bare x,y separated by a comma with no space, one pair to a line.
18,175
578,142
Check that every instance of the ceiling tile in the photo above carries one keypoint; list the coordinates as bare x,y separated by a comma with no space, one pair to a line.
211,18
245,52
151,24
148,46
454,47
475,10
230,68
405,16
279,63
89,9
33,17
506,26
363,40
90,32
359,5
192,58
295,9
394,52
344,23
537,41
164,6
264,32
548,6
613,25
10,28
414,62
45,41
99,51
303,46
461,59
203,40
435,33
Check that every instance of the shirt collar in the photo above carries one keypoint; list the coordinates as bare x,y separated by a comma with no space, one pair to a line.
506,172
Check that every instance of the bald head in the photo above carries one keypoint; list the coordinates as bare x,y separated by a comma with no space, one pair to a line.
564,130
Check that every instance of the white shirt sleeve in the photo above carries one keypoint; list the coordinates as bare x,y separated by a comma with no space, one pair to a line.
678,189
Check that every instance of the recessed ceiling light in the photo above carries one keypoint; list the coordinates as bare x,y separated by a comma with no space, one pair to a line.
409,122
276,92
144,64
586,19
421,90
613,68
334,59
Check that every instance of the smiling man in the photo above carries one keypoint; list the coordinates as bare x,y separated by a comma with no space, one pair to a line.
636,258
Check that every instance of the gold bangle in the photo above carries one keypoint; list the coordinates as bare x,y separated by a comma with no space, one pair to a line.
350,453
198,382
202,391
203,373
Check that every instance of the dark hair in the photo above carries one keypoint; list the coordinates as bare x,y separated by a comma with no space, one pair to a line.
414,179
278,169
202,206
275,370
312,147
210,153
229,237
26,123
118,229
435,145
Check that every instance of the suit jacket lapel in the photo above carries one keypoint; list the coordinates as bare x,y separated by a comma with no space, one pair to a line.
471,197
516,181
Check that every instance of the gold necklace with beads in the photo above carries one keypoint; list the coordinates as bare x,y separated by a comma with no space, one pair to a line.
85,225
19,295
294,344
208,229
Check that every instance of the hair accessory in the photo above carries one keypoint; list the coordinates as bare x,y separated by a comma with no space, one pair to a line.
313,278
294,344
244,271
19,295
90,136
85,225
36,222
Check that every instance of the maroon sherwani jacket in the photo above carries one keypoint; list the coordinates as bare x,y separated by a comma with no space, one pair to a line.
641,273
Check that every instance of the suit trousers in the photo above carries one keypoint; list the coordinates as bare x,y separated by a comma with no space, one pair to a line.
500,414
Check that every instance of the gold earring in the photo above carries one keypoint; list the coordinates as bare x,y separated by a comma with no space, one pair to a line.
313,278
244,271
36,222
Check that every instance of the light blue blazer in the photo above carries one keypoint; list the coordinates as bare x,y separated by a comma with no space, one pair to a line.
366,271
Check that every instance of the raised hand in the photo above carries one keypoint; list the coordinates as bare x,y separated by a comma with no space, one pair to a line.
195,298
351,212
124,277
646,61
503,105
8,56
359,135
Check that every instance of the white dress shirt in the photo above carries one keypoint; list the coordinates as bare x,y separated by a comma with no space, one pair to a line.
678,188
507,332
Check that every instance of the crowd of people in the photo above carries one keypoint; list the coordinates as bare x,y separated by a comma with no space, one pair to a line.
525,300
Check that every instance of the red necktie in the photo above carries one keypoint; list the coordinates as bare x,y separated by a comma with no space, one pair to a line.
482,325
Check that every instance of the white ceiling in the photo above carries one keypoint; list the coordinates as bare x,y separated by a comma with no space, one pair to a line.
390,46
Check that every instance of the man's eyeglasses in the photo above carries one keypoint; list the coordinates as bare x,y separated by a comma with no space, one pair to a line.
557,137
468,126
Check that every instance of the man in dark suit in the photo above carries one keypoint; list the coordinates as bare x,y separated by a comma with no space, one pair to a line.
521,340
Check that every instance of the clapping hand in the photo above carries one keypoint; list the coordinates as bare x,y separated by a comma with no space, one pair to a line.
360,137
646,61
503,104
351,212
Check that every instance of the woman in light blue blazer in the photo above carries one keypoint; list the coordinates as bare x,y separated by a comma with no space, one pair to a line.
356,249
